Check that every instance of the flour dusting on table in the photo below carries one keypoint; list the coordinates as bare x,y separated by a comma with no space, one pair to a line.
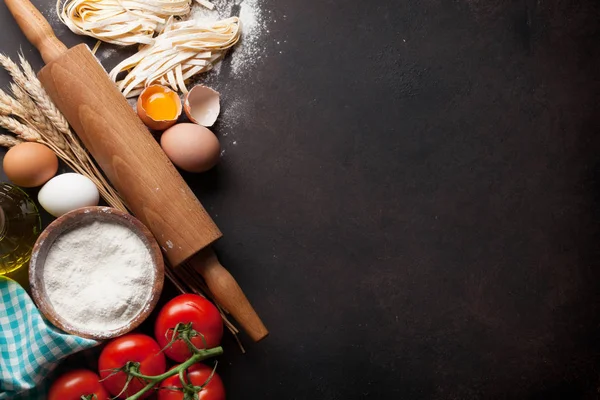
250,49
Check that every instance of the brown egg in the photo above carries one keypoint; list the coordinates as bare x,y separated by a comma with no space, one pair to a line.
159,107
191,147
30,164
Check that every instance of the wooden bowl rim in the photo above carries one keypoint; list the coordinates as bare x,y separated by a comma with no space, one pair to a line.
68,222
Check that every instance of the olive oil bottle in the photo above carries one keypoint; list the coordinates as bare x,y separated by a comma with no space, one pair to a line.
20,225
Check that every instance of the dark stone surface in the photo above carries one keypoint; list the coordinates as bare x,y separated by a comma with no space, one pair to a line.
413,200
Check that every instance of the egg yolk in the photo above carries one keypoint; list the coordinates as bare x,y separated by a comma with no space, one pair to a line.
160,107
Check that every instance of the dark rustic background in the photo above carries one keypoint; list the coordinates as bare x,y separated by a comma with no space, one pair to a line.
413,199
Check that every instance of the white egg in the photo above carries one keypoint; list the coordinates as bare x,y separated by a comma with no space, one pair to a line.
68,192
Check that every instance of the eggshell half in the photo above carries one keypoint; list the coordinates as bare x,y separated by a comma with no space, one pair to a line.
150,122
202,105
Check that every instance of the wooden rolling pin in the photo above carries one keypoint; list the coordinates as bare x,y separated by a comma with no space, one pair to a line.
133,161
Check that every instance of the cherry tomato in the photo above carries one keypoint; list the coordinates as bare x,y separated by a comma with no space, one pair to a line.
136,348
75,384
186,308
197,374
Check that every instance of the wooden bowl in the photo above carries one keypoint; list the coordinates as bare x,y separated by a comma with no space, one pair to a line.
73,220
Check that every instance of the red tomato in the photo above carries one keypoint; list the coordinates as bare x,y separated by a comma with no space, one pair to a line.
197,374
75,384
136,348
186,308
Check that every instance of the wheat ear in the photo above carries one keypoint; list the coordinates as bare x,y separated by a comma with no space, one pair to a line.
34,117
9,106
34,87
9,141
23,131
48,109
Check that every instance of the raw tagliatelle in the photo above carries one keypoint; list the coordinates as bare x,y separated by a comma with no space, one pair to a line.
121,22
182,50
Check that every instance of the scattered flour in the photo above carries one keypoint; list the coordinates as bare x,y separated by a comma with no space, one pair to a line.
233,113
223,9
251,48
98,276
239,63
105,52
50,14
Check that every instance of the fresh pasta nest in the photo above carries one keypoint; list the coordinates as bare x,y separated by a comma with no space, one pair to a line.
121,22
182,50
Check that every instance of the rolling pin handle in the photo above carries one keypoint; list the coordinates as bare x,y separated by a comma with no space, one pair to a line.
37,29
228,293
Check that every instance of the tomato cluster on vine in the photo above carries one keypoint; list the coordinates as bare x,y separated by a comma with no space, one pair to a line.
188,329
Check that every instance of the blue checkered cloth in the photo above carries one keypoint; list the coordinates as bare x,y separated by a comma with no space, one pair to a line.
30,347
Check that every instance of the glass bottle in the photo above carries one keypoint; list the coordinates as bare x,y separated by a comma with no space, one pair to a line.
20,225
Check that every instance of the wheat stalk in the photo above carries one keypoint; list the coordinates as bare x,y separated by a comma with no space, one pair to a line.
14,70
28,133
27,80
23,131
9,106
5,109
34,87
34,117
9,141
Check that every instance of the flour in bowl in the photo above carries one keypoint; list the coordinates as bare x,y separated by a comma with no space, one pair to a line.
98,276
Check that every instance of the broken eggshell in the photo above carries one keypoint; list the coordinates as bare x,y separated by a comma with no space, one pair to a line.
159,107
202,105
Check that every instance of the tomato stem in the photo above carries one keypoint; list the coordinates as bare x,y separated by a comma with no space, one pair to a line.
182,379
198,356
185,332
